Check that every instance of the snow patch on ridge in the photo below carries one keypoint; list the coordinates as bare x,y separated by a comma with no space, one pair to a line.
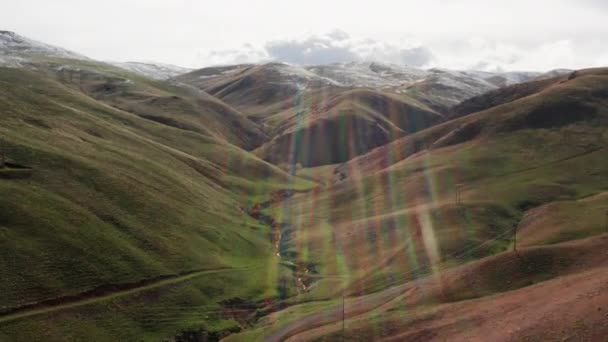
300,75
157,71
370,74
15,50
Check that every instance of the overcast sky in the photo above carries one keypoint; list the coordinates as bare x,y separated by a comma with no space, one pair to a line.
460,34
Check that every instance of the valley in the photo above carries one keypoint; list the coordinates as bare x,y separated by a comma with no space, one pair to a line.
276,202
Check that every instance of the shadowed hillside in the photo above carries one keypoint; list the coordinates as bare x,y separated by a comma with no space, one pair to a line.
503,95
345,126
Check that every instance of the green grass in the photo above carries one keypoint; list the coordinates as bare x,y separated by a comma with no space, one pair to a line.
150,314
114,198
522,158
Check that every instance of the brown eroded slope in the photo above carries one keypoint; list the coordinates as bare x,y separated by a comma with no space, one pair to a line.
430,195
508,297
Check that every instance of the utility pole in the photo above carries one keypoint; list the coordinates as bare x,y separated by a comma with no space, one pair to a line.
343,316
457,194
515,237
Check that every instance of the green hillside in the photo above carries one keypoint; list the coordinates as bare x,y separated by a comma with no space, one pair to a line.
113,198
134,209
430,196
443,197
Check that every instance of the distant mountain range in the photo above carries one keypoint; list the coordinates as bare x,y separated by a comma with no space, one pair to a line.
443,87
153,70
278,97
17,50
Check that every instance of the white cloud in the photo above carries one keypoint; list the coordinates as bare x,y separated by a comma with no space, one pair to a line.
479,53
333,47
247,53
325,49
485,54
602,4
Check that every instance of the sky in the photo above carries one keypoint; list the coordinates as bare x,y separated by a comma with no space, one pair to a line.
487,35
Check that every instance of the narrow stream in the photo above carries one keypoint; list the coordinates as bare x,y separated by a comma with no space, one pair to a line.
280,236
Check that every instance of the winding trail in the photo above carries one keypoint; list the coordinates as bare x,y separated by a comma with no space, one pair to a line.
109,291
104,293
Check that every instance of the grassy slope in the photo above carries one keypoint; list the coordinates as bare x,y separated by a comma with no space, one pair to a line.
180,106
316,124
115,198
463,303
503,95
159,200
259,91
396,213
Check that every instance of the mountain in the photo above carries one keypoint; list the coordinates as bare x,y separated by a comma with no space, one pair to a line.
504,95
306,111
16,50
180,107
406,221
153,70
302,106
273,202
121,184
344,126
554,73
443,89
263,90
438,88
369,75
576,99
254,88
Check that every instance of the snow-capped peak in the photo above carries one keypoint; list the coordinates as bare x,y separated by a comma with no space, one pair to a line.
157,71
15,49
369,74
300,74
